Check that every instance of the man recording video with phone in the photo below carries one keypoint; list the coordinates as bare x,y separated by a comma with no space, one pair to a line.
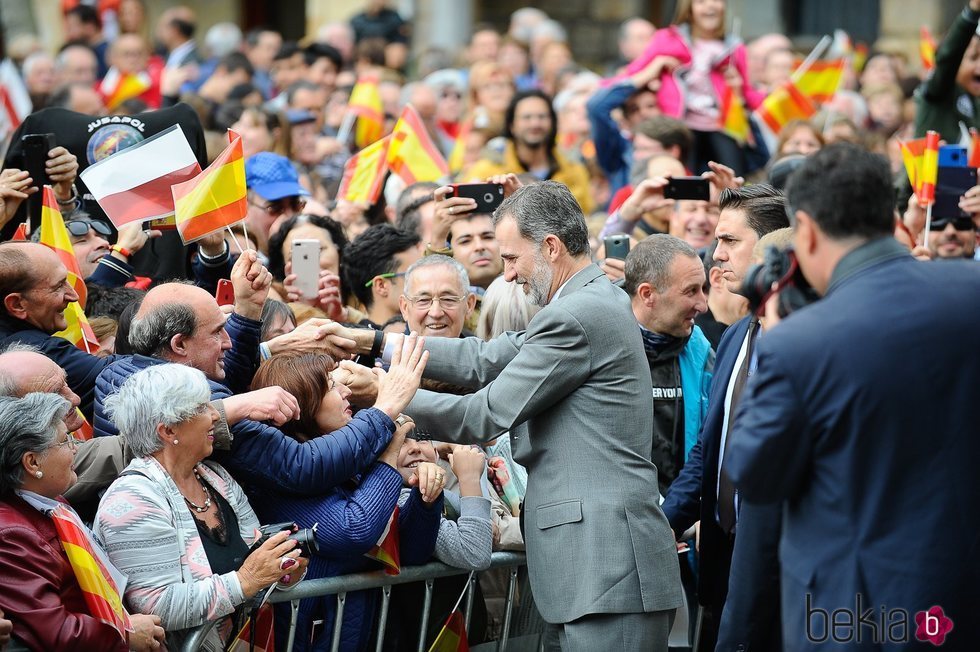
860,415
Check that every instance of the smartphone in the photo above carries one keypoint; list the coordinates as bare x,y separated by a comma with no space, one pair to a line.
225,295
951,184
617,246
306,266
36,148
487,195
687,188
952,156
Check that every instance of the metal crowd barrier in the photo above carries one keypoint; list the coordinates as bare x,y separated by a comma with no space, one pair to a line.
344,584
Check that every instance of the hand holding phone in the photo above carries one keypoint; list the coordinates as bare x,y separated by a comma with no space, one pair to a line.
488,196
305,265
617,246
225,295
696,188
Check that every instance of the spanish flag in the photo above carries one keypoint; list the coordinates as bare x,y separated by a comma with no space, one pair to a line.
452,636
55,235
820,81
921,157
20,233
118,87
927,49
784,104
85,431
973,159
214,199
365,103
459,147
99,588
387,549
734,120
412,155
364,173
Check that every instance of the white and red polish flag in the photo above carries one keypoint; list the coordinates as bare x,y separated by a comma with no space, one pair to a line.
134,183
15,103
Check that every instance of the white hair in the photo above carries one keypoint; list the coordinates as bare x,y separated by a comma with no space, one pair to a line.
436,260
223,39
550,29
504,308
166,394
32,60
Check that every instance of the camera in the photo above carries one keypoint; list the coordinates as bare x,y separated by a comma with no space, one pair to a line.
782,268
305,538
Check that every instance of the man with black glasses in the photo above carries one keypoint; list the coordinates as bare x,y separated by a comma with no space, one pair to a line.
952,238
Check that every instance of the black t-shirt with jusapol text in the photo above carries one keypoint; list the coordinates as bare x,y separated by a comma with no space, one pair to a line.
93,138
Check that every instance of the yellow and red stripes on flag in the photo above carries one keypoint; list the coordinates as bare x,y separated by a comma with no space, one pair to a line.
412,155
458,155
927,49
20,233
387,549
54,234
973,157
821,80
215,198
734,120
364,173
84,431
78,331
921,158
98,588
452,636
784,104
365,103
117,87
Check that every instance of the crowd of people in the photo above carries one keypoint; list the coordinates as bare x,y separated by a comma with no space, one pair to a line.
477,380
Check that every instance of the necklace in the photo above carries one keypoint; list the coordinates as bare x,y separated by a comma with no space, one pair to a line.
200,509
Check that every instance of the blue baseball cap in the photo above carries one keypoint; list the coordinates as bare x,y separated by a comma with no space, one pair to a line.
273,177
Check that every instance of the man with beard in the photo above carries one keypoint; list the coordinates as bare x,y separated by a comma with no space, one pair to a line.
573,393
529,146
952,238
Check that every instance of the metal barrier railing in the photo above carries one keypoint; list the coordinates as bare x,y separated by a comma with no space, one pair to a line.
342,585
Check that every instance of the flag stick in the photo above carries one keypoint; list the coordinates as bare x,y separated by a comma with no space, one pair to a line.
469,578
815,54
88,349
245,231
235,238
346,125
925,234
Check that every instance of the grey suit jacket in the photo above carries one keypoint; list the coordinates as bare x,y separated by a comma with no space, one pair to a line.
574,393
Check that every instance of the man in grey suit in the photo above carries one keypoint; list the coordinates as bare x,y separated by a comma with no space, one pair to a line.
574,393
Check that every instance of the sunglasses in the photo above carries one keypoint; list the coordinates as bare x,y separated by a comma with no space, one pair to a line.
959,223
278,207
79,228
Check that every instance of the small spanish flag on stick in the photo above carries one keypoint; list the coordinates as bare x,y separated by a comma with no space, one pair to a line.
387,549
364,173
452,636
412,155
927,49
216,198
365,103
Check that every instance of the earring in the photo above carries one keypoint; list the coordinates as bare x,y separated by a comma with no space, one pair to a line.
176,441
38,475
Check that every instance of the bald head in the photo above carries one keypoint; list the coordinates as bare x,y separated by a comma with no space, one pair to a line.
24,371
34,285
175,293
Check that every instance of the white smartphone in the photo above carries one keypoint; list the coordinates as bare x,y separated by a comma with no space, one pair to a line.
306,266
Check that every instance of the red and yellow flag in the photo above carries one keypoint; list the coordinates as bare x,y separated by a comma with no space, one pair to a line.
85,431
973,157
784,104
98,587
452,636
412,155
118,87
734,120
820,81
364,173
365,103
214,199
457,156
921,157
927,49
55,235
20,233
387,549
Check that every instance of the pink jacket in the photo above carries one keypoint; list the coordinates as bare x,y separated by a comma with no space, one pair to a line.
675,41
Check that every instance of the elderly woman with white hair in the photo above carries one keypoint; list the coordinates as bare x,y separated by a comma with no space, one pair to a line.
179,527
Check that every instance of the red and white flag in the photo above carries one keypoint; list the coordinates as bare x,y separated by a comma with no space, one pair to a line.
134,183
15,102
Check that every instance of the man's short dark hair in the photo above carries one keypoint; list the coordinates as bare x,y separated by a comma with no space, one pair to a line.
410,218
16,275
373,253
846,190
184,27
110,302
668,132
547,208
235,61
252,36
287,50
316,51
86,15
512,110
277,261
151,334
764,206
650,260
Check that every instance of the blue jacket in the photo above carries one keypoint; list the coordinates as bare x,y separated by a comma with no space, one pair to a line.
861,421
350,521
695,383
261,456
614,152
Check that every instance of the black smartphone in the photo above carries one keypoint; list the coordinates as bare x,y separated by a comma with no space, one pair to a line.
487,195
36,148
687,188
951,184
617,246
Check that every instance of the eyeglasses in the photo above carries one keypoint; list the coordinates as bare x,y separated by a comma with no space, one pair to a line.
278,207
447,302
79,228
959,223
70,442
385,275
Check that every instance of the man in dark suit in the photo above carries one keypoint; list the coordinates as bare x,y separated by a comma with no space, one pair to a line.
746,215
861,421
